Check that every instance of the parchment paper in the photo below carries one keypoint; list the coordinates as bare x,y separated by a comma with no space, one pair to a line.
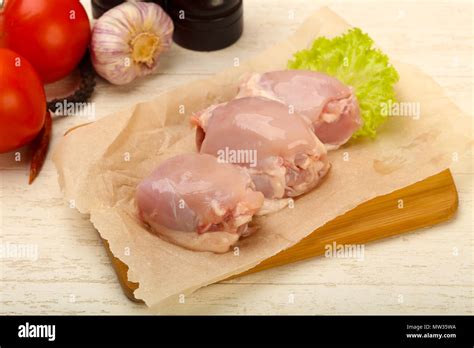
100,165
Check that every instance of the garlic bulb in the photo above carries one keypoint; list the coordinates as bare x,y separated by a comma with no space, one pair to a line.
128,39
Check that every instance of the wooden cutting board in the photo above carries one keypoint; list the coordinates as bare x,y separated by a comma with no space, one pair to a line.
425,203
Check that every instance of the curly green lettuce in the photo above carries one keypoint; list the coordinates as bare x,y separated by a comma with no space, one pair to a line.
352,59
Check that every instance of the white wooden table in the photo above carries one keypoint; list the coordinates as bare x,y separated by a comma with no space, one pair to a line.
428,271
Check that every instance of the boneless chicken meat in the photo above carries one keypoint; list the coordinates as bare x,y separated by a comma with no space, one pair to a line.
256,151
193,201
326,103
289,160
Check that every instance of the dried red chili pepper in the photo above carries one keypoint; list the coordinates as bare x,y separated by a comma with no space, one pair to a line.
40,147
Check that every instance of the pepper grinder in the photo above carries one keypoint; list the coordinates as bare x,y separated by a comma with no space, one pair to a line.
206,25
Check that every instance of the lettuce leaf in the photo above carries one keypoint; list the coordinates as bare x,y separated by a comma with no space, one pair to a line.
352,59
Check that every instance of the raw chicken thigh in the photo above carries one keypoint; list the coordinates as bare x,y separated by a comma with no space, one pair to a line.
278,148
325,102
193,201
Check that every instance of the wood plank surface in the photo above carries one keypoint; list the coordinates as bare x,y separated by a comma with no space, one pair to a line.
423,272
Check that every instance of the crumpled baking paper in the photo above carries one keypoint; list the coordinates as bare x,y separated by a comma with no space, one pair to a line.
100,165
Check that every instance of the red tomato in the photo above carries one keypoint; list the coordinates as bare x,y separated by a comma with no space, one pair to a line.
22,101
52,34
